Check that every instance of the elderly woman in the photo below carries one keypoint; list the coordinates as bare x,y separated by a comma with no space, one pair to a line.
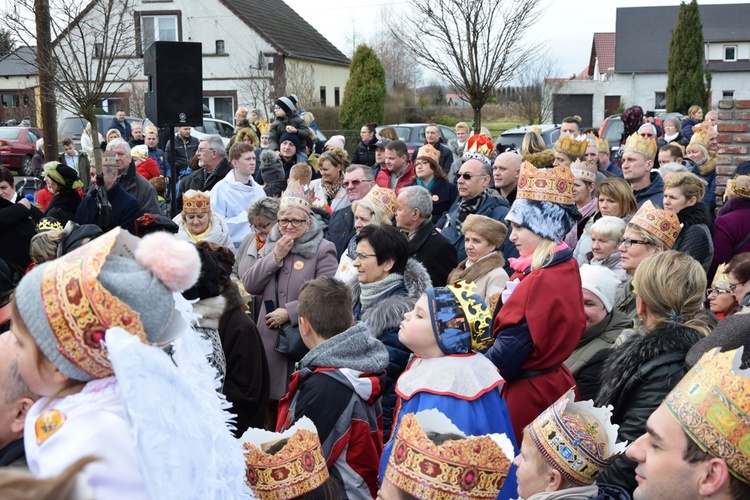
682,194
378,207
584,186
482,265
391,284
672,131
433,178
262,215
330,192
294,252
197,222
721,300
606,234
64,182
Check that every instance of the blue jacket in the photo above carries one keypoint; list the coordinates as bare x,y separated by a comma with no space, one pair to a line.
123,127
125,209
444,193
654,192
161,159
340,229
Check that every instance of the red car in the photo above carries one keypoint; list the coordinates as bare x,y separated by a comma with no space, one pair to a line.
17,147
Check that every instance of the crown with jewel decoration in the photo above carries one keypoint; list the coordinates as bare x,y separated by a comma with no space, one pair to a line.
711,405
644,146
662,224
550,184
584,171
297,196
466,467
384,199
195,202
429,151
575,147
577,439
460,318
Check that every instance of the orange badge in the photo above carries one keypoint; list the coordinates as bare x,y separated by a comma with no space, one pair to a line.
299,265
47,424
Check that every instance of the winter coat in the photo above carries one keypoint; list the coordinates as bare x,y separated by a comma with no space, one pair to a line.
596,338
731,226
230,199
310,257
338,388
443,193
278,128
383,179
384,319
687,128
123,128
63,206
435,252
125,209
695,236
536,329
272,175
16,230
246,256
82,166
339,202
487,273
446,156
148,169
364,154
456,149
218,232
341,229
160,158
636,379
200,180
654,192
184,150
140,189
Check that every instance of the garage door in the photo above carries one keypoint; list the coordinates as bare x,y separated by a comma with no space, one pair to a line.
573,104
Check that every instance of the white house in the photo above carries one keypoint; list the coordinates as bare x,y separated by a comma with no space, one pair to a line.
18,82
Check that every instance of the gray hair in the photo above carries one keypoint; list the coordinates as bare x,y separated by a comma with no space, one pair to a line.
651,125
264,208
419,198
675,121
114,143
609,227
215,143
713,112
672,167
15,387
367,171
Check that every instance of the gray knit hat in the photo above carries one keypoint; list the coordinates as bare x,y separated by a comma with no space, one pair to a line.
287,105
115,280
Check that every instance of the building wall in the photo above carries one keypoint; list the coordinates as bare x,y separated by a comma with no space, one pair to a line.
734,140
715,50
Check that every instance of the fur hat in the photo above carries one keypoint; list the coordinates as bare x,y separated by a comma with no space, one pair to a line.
287,105
600,281
270,168
488,228
338,141
293,138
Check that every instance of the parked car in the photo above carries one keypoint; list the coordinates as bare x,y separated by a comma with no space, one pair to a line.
413,134
17,147
72,127
212,126
513,138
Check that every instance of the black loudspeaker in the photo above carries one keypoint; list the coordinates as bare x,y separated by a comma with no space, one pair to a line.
175,84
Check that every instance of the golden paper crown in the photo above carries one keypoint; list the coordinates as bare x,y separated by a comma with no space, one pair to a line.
297,468
733,187
602,145
195,202
478,316
712,406
577,439
48,224
701,134
572,146
536,129
584,171
662,224
721,278
430,152
108,159
637,144
551,184
297,196
473,467
384,199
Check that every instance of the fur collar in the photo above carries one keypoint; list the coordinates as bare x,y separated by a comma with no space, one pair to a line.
709,166
210,310
479,269
735,203
305,246
542,159
695,214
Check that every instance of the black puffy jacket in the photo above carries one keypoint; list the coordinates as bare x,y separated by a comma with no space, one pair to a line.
365,154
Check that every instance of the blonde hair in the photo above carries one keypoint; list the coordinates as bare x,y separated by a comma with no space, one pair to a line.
700,148
690,184
301,172
619,190
43,246
461,125
151,129
693,110
113,131
18,484
543,254
379,218
672,285
532,143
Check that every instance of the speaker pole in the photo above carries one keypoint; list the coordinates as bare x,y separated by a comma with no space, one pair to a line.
175,173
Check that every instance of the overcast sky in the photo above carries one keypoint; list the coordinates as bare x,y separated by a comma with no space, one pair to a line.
566,27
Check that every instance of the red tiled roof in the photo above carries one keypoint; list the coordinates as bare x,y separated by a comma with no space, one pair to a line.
603,48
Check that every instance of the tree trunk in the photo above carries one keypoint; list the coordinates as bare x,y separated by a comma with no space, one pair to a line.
46,79
477,118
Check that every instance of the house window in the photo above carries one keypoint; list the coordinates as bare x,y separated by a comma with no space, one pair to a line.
98,47
222,108
220,47
660,100
336,97
322,96
111,105
730,52
727,94
10,100
158,29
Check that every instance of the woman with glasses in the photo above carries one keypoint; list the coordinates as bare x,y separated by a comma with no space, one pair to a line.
261,216
721,299
683,193
330,193
364,154
198,223
294,252
390,284
738,270
432,177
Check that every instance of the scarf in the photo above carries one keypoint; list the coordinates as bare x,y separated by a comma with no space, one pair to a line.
197,238
467,207
427,186
351,248
521,264
258,242
332,189
374,292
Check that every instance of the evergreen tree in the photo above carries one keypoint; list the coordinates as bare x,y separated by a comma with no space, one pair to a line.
686,81
7,43
364,94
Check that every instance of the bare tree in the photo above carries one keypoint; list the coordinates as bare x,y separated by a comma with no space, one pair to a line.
259,79
300,80
402,69
93,51
137,98
476,45
536,84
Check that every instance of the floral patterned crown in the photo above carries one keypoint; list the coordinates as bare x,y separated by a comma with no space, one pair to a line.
297,468
711,405
577,439
195,202
637,144
472,468
384,199
429,151
662,224
551,184
572,146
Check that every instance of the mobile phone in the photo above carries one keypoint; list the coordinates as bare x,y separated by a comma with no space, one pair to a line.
270,306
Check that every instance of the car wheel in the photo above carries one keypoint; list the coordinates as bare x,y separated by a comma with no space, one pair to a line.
26,167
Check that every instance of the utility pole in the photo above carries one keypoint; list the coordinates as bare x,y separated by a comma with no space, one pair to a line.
45,63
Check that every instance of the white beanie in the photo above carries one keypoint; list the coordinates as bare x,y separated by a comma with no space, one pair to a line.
602,282
337,141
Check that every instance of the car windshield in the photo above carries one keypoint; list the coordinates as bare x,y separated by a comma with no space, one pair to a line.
70,127
9,134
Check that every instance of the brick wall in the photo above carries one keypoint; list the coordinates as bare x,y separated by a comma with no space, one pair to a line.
734,140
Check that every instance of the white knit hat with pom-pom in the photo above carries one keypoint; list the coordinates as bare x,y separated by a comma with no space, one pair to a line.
602,282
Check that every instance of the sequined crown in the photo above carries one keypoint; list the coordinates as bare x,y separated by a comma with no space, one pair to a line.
429,151
297,195
577,439
712,406
584,171
701,134
552,184
297,468
662,224
195,202
472,468
721,278
384,199
460,318
637,144
602,145
572,146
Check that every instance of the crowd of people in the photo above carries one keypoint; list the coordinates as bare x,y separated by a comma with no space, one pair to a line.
544,323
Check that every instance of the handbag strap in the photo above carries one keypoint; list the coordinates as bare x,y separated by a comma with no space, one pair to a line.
276,287
741,243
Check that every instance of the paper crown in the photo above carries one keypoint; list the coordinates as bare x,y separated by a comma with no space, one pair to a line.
602,145
479,147
195,202
473,467
297,468
711,405
384,199
460,318
572,146
48,224
740,190
139,152
701,134
721,278
429,151
108,159
577,439
584,171
637,144
297,196
552,184
662,224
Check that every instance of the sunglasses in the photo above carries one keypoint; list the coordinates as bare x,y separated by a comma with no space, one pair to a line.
468,176
354,182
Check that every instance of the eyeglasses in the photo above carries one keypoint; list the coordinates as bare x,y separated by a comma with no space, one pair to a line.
420,163
733,287
203,150
259,227
363,256
293,222
354,182
715,291
627,242
468,176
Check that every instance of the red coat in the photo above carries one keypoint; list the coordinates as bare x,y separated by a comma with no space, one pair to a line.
383,178
148,169
547,305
